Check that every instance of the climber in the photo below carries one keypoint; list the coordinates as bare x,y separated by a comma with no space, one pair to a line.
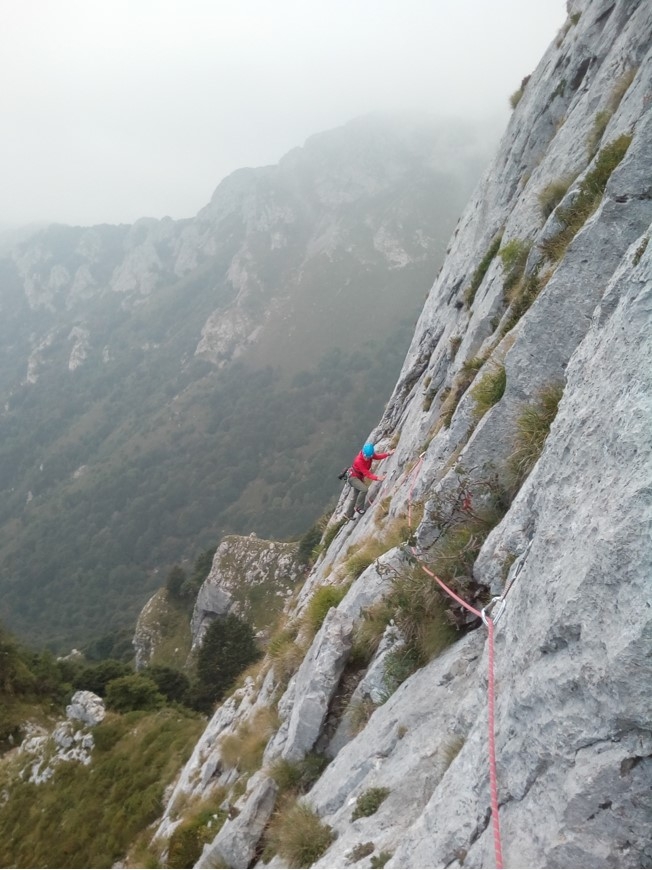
361,469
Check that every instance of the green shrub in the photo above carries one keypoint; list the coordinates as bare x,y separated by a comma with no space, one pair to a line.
400,664
298,835
591,190
369,802
481,270
379,861
489,390
532,428
133,692
170,682
228,647
175,580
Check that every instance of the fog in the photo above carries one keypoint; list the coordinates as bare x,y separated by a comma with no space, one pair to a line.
115,111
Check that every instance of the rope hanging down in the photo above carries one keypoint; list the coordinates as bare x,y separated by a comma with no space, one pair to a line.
489,622
498,604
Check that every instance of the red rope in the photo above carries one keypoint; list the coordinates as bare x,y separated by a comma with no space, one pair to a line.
491,691
493,778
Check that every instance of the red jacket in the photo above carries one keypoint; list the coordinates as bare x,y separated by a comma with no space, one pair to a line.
362,466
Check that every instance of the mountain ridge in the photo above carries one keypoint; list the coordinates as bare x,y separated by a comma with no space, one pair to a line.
162,380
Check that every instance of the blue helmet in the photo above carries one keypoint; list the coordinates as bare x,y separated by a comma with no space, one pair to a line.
368,450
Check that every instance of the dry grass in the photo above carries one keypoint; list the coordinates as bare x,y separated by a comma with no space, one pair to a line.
533,426
572,217
489,390
297,834
244,749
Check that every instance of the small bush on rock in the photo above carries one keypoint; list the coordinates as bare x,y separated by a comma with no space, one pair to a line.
368,802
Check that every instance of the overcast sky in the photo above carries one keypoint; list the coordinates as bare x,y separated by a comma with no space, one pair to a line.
118,109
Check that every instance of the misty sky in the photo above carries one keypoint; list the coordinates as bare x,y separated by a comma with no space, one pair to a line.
118,109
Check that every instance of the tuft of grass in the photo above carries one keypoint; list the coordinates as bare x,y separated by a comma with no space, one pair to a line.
297,777
244,749
463,379
369,631
420,615
641,250
489,391
597,132
553,193
284,651
514,256
198,828
521,298
298,836
360,851
361,559
452,748
329,536
603,117
532,428
379,861
368,802
321,602
360,713
454,344
591,190
481,270
515,98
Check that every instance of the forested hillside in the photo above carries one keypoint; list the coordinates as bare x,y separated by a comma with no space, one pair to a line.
168,382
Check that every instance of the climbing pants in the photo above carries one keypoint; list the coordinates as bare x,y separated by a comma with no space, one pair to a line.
358,496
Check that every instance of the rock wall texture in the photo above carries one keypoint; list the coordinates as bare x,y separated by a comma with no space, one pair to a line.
568,305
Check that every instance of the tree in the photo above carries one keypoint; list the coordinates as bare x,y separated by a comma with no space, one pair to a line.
133,692
174,582
229,647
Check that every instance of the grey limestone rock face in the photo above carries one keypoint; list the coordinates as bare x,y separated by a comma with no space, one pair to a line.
316,682
235,845
572,646
87,707
241,564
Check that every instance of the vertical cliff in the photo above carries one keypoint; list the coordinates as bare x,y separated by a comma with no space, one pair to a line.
521,472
